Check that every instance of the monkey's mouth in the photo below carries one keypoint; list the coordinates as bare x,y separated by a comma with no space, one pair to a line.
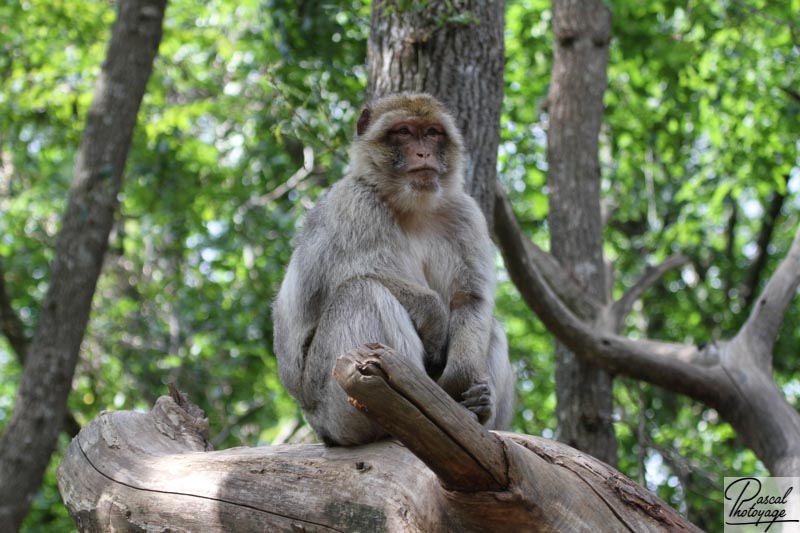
424,178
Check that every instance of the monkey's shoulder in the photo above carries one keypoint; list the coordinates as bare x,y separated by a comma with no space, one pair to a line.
462,219
349,216
465,210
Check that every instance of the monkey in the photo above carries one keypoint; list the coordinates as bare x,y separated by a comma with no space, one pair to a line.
395,252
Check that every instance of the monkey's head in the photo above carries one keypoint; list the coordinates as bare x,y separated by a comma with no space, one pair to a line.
408,147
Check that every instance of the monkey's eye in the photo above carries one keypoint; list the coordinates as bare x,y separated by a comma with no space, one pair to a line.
432,132
403,130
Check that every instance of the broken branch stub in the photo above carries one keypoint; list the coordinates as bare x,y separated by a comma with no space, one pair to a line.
404,401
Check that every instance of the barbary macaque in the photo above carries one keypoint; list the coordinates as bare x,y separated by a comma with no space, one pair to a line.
397,253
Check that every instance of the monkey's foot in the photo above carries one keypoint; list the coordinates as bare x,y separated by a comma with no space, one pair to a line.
478,399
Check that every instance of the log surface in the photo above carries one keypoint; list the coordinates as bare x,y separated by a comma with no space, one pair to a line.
153,471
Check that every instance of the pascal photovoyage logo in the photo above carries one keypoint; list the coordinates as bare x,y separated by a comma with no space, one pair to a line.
759,504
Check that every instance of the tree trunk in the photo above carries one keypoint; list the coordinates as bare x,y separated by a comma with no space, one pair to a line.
582,30
456,54
40,406
131,471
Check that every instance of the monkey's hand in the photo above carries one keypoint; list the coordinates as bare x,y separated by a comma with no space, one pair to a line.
469,385
478,399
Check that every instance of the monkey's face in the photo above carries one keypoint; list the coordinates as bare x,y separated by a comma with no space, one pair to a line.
409,148
418,152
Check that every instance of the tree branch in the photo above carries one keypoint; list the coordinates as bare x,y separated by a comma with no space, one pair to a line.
669,365
651,275
293,181
413,408
730,244
750,284
761,328
792,93
523,254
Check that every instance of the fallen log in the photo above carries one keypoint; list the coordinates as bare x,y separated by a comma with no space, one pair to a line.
128,471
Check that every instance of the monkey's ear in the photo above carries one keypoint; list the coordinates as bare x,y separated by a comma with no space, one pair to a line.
363,121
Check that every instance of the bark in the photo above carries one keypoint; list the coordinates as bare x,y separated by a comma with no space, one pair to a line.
454,51
132,471
40,406
582,31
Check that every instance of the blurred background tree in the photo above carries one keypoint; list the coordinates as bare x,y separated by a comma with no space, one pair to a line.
246,120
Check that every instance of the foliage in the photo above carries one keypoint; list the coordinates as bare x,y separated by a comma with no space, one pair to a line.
245,122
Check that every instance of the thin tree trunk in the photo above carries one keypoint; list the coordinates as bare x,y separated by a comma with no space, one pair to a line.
582,30
455,54
31,435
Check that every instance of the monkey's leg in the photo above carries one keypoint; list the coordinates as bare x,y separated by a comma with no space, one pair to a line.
493,401
360,311
428,314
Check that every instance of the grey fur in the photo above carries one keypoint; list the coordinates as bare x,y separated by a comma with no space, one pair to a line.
375,264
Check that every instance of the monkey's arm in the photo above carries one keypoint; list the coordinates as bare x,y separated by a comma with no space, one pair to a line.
466,375
469,333
427,312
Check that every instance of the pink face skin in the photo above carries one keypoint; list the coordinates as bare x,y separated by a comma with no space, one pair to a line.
418,146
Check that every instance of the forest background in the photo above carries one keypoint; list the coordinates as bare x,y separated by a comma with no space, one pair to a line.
246,120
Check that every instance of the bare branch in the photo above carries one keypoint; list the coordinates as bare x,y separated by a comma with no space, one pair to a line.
652,274
795,95
403,400
730,243
761,328
296,178
520,254
753,275
672,366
